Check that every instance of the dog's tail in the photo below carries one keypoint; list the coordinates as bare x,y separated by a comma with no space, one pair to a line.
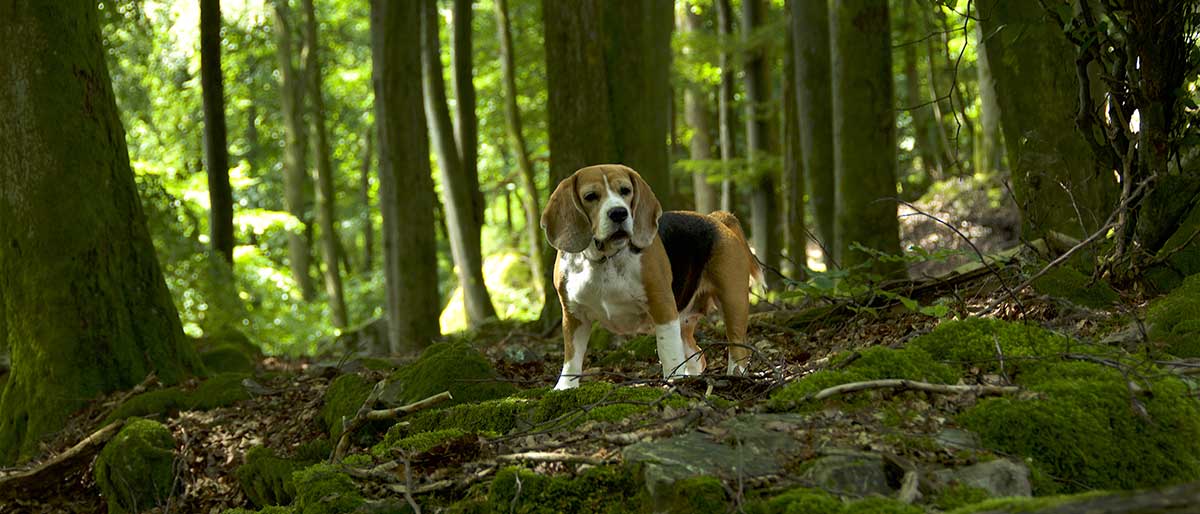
756,273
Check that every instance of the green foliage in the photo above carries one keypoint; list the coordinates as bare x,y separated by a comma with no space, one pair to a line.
972,343
342,400
423,441
266,478
1175,319
136,469
1084,432
1015,505
959,495
803,500
873,364
218,391
450,366
323,489
697,494
1067,282
601,489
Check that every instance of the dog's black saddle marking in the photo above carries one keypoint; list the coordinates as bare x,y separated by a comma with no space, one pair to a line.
688,238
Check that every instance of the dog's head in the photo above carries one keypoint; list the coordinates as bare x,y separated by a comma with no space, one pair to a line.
608,206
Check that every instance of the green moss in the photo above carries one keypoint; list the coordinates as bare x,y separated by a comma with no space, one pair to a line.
601,489
323,489
227,359
873,364
1069,283
136,469
1083,431
265,510
1018,504
495,416
972,343
1184,260
266,478
696,494
450,366
638,349
423,441
877,505
342,400
598,401
1175,320
801,500
959,495
218,391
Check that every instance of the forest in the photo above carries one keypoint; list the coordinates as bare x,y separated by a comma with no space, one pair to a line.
336,256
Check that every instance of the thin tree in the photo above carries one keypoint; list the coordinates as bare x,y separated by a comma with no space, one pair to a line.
795,236
295,146
814,108
990,153
864,133
699,117
726,114
326,196
364,187
460,185
406,197
764,211
516,139
220,194
94,314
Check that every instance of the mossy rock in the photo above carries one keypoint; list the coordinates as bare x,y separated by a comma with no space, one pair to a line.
1070,284
1184,258
265,510
450,366
696,494
1016,505
1083,432
229,337
423,441
643,348
959,495
136,469
600,489
971,343
1175,320
873,364
342,400
217,391
227,358
324,489
266,478
804,500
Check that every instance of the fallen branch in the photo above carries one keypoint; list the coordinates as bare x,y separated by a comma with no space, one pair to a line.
421,489
549,457
51,471
895,383
367,413
377,415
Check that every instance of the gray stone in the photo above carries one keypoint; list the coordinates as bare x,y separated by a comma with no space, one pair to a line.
1000,477
958,439
850,474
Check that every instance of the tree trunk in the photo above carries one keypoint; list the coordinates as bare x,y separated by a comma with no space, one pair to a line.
406,196
1057,185
220,194
326,211
295,165
466,122
94,314
699,117
864,133
764,213
726,115
459,191
925,139
516,138
991,154
795,234
810,40
364,182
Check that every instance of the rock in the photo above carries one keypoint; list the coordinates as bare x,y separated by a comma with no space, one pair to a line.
850,474
1000,477
958,439
136,469
367,338
451,366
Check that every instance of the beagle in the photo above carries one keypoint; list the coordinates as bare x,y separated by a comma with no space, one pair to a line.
626,264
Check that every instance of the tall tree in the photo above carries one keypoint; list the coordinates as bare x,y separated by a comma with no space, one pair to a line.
814,108
699,118
1056,181
607,67
460,184
406,196
94,313
466,122
726,114
764,211
794,232
864,132
926,140
516,139
990,155
364,188
326,196
220,193
295,146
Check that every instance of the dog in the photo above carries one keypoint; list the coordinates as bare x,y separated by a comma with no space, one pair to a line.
626,264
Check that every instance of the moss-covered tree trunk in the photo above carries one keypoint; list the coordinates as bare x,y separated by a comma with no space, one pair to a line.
697,112
810,41
1056,181
331,253
295,146
459,189
516,139
795,235
406,196
86,308
864,132
216,151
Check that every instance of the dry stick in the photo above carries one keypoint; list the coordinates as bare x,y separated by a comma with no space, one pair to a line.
549,457
366,413
897,383
46,472
422,489
408,487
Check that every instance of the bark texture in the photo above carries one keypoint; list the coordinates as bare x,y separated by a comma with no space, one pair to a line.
699,117
814,107
295,145
764,211
864,133
460,184
795,234
726,114
87,310
216,151
1056,181
331,253
364,187
406,196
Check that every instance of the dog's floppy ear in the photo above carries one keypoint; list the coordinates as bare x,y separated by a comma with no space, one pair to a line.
646,211
564,221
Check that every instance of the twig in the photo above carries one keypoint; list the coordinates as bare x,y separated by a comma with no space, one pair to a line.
421,489
377,415
408,487
549,457
366,413
47,472
897,383
909,487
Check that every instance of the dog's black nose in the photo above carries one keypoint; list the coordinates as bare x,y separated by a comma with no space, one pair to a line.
618,215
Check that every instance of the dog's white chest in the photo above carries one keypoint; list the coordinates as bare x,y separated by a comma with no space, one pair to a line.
610,292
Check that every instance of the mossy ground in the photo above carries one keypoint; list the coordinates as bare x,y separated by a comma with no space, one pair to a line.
266,478
815,501
342,400
451,366
602,489
1069,283
227,358
1175,320
872,364
136,469
217,391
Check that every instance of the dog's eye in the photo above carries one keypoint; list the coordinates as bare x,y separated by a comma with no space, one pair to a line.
591,197
625,191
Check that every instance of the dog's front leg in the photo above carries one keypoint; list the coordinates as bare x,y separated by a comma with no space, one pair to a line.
575,340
